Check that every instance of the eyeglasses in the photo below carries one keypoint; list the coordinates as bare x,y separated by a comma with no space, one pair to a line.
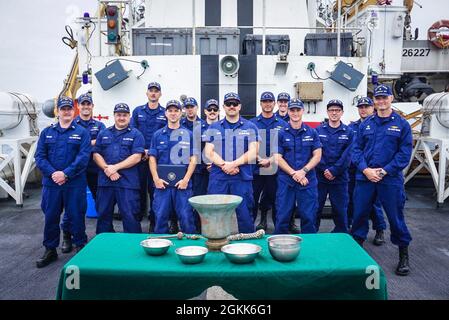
212,109
189,107
334,110
231,103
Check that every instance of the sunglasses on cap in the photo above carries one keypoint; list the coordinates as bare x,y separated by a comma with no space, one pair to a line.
231,103
212,109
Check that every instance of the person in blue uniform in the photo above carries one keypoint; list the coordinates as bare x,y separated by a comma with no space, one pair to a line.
232,148
299,152
211,110
118,153
332,171
265,172
198,126
383,149
148,118
86,120
365,107
173,145
62,155
282,102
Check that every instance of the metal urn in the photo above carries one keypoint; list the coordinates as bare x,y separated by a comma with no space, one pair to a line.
216,212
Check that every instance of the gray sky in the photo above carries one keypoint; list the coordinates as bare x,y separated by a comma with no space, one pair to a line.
33,59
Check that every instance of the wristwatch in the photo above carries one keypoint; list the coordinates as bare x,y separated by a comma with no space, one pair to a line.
382,172
305,170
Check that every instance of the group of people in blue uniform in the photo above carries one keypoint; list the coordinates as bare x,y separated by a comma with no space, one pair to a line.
274,162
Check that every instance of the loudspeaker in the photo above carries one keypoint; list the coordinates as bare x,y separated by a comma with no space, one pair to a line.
230,66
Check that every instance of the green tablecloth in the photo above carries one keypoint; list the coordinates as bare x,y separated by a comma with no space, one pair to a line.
114,266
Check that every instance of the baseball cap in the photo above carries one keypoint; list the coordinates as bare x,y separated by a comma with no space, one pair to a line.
295,103
267,96
283,96
335,102
231,96
364,101
211,102
121,107
154,85
64,101
189,102
85,97
173,103
382,90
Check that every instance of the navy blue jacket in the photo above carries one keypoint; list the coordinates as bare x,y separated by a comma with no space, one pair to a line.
172,146
94,127
266,132
337,151
66,150
198,131
354,126
286,118
115,146
297,150
148,121
234,143
383,143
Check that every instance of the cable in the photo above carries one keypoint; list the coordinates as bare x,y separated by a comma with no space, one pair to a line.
317,77
70,40
143,64
87,41
369,44
107,63
21,115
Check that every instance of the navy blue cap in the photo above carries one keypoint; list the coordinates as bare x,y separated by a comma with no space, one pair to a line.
173,103
121,107
295,103
189,102
211,102
364,101
64,101
283,96
231,96
382,90
85,97
267,96
154,85
335,102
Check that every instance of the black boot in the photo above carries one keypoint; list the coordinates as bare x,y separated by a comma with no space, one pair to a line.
293,228
379,238
263,221
403,267
173,227
117,216
66,242
49,256
151,227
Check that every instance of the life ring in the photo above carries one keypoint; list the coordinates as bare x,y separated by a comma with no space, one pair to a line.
438,34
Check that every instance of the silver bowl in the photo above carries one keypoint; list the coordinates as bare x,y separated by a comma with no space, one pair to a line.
284,247
191,254
241,252
156,247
